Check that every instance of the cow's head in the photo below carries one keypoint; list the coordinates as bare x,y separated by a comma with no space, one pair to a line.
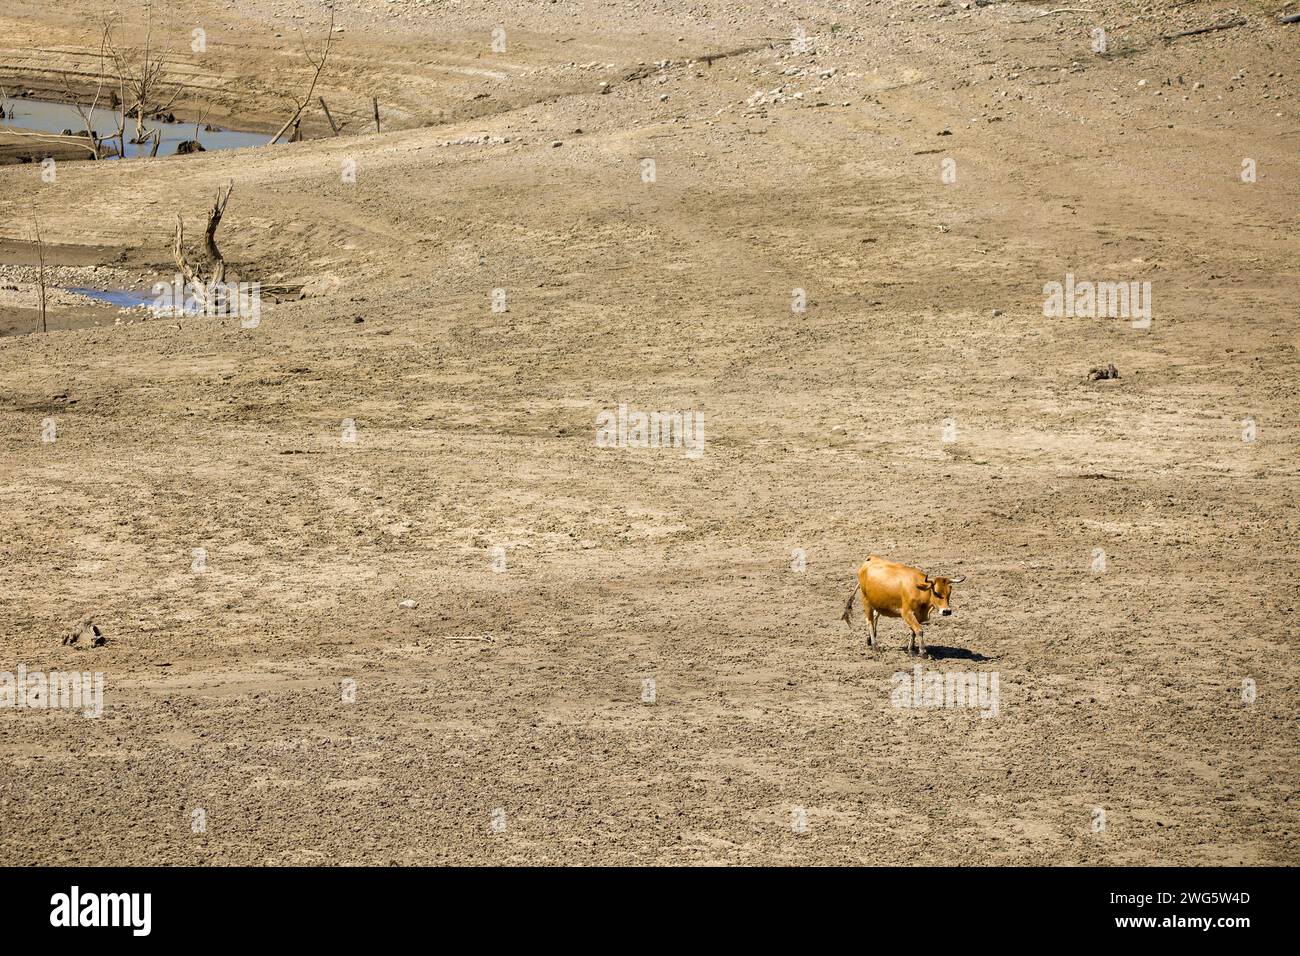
940,591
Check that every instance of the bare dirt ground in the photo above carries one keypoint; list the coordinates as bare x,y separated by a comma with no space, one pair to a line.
1121,686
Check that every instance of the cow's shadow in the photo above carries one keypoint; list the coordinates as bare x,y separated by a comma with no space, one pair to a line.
939,652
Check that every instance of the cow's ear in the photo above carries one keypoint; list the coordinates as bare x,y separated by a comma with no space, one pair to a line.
924,585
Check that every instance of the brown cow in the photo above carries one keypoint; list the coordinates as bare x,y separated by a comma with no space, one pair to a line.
899,590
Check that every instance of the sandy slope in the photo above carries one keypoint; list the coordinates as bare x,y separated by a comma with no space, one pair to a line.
475,430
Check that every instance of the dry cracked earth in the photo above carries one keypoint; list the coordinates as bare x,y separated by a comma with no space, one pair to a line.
824,227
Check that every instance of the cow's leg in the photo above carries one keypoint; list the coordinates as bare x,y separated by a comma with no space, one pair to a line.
872,617
917,634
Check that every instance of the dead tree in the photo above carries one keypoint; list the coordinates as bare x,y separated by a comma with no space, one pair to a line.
319,64
208,281
88,114
40,258
142,80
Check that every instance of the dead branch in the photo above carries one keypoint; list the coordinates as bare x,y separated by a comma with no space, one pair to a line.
1230,25
311,88
53,139
333,125
203,118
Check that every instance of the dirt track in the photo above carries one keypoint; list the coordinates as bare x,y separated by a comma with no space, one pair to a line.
825,432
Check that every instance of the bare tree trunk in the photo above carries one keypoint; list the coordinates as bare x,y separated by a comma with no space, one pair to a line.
216,263
40,254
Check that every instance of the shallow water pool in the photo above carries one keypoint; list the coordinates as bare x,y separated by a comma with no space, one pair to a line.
49,117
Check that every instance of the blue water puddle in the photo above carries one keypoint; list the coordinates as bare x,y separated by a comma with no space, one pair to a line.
124,298
48,117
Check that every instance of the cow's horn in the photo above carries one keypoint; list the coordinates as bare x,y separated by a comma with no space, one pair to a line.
957,580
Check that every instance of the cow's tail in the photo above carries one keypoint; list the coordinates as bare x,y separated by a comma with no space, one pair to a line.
848,605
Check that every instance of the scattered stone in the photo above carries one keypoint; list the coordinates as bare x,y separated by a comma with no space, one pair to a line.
409,604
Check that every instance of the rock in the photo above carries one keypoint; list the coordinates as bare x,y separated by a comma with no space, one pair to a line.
186,147
409,604
85,633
